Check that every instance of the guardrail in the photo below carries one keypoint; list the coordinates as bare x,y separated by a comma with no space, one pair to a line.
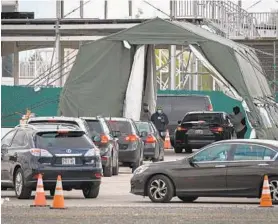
228,17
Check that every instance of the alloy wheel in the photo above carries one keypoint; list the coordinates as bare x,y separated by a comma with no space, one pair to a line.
158,189
274,190
18,183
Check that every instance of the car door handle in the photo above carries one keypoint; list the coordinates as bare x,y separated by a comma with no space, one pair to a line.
263,164
220,166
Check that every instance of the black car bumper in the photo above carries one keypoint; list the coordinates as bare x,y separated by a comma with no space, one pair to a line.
137,186
194,143
129,155
150,150
72,177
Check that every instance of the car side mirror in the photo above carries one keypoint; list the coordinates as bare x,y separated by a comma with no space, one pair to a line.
96,138
116,134
179,121
143,134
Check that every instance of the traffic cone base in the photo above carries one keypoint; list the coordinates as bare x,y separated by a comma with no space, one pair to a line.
40,199
58,201
266,200
167,142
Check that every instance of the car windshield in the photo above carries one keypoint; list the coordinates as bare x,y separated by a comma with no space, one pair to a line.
208,118
47,140
143,126
95,127
124,127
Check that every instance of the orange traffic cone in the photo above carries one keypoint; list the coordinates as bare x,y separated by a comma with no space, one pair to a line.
58,201
167,142
266,200
40,200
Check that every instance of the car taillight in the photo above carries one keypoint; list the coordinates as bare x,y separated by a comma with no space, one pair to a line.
40,153
131,138
181,129
104,139
210,108
150,139
217,129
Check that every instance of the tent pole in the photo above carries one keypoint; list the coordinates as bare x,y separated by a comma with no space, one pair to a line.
274,66
105,9
130,8
172,75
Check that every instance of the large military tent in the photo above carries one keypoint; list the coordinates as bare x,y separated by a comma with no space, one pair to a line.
115,75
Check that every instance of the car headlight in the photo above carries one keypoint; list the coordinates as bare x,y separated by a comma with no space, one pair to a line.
140,170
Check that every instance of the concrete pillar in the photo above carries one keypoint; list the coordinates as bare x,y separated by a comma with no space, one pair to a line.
16,64
59,15
81,9
130,8
172,67
105,9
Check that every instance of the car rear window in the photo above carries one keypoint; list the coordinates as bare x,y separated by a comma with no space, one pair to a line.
143,126
124,127
208,118
62,140
53,122
176,106
95,127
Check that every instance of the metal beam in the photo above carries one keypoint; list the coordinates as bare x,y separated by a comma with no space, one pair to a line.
172,70
48,39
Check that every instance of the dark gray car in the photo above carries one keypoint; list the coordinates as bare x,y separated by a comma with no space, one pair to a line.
107,142
230,168
131,145
154,145
51,151
176,106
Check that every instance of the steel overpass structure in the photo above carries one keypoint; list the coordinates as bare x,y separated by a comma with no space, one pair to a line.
259,30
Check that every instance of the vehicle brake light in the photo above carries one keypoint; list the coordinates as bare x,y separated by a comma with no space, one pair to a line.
181,129
40,153
104,139
150,139
217,129
98,175
131,138
62,131
210,108
53,121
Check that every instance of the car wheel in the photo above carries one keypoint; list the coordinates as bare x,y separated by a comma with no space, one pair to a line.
188,199
52,192
178,149
90,191
21,191
116,168
160,189
188,150
155,160
273,184
108,170
4,188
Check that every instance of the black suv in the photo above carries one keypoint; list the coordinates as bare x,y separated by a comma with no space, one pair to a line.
27,151
107,142
198,129
131,145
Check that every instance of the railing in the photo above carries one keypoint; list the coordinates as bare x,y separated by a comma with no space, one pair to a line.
225,15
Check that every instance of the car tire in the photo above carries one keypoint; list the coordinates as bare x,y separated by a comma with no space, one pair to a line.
188,199
178,149
188,150
154,160
4,188
273,183
90,191
116,168
108,170
52,192
165,186
21,191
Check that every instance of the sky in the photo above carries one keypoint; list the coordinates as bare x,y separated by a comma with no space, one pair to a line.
119,8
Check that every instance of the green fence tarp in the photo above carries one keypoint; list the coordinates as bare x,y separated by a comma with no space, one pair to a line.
219,100
16,99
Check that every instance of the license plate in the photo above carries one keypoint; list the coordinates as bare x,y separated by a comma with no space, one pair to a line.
68,161
199,132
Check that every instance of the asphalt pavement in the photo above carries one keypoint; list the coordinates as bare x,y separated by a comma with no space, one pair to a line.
116,205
